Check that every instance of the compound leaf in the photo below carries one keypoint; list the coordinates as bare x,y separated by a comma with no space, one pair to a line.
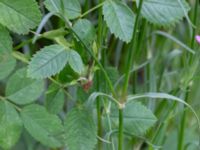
47,62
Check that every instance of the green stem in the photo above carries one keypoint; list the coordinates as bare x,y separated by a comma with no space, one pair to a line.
23,44
91,10
99,122
120,134
181,136
192,45
127,76
131,52
95,59
68,23
99,44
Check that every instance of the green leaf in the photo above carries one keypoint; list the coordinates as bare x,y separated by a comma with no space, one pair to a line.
7,65
163,96
120,19
75,61
164,12
174,39
85,30
19,16
55,99
68,8
137,118
5,41
67,75
7,61
47,62
80,130
10,125
23,90
44,127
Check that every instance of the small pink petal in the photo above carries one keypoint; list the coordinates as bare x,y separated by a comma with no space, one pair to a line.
197,37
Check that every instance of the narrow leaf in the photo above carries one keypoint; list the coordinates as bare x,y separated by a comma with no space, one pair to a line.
163,96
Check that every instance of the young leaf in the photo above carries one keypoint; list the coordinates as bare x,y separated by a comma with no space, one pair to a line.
85,30
10,125
137,118
19,16
120,19
55,99
44,127
164,12
68,8
80,130
23,90
47,62
75,61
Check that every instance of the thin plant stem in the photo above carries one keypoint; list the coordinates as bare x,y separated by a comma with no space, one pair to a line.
95,59
98,104
121,126
127,76
91,10
181,136
131,53
192,45
23,44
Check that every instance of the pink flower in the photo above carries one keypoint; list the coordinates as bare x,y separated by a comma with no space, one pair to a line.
197,37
